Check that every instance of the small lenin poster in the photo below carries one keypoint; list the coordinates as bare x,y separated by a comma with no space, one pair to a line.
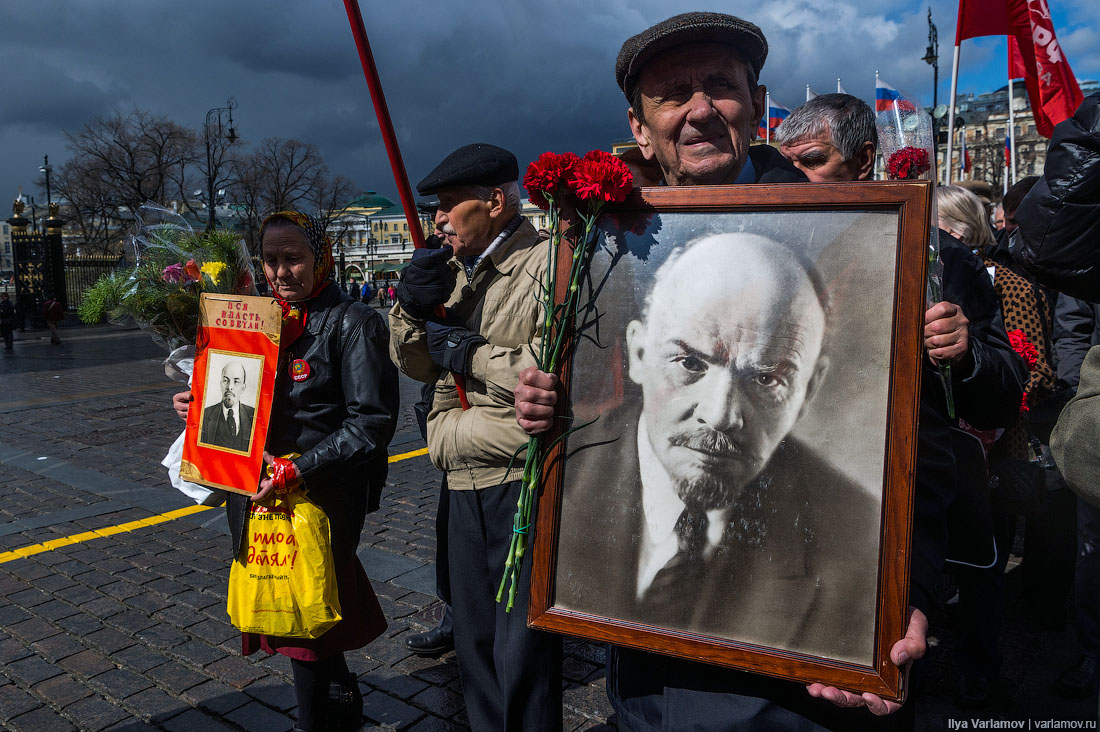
236,358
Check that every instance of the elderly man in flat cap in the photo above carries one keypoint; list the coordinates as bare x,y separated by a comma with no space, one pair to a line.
695,102
467,315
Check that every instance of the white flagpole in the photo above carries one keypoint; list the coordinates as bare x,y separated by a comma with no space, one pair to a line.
807,92
951,117
1011,134
768,118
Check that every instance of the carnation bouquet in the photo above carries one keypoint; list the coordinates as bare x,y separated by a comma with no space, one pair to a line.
905,140
573,191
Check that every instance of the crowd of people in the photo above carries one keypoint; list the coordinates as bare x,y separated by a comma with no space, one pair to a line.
465,321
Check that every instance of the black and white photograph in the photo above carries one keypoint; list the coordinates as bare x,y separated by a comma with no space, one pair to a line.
229,409
731,483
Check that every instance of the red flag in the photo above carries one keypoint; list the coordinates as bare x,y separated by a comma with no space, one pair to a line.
1037,57
991,18
1033,53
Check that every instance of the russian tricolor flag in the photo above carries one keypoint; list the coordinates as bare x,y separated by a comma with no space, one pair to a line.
887,96
1008,152
776,114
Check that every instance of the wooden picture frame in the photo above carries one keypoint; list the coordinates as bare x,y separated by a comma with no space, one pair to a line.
777,605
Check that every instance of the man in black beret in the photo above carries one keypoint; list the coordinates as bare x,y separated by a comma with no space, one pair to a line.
695,103
467,320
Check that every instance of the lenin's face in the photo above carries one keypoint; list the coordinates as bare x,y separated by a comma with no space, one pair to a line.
232,384
726,361
698,113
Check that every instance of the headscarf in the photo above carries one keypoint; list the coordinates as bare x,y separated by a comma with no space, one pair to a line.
295,313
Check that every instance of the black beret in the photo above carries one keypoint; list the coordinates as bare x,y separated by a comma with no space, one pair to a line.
743,36
476,164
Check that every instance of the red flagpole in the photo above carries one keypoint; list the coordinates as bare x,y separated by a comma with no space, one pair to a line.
385,124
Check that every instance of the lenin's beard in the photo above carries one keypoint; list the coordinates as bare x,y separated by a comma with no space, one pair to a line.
718,486
228,398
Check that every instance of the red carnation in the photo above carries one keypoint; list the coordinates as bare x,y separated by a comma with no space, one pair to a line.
1025,348
601,176
908,163
548,176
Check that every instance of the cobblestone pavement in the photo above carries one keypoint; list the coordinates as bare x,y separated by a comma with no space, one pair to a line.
129,631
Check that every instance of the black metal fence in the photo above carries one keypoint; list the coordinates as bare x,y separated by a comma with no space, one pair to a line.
81,272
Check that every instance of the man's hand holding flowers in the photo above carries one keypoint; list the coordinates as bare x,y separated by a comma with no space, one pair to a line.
946,333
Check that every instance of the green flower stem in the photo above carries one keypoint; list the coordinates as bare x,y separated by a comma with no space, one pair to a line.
944,368
556,327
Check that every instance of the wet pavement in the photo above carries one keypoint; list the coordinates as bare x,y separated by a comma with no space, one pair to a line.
125,628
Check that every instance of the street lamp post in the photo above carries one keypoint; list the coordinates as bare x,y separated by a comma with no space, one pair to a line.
224,130
932,58
46,168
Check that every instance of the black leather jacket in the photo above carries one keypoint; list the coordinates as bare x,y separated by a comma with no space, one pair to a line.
1058,238
340,418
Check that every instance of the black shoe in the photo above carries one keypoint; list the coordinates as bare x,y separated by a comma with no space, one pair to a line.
345,705
435,642
974,692
1079,680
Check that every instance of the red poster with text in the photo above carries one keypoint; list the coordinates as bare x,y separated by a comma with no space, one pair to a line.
236,358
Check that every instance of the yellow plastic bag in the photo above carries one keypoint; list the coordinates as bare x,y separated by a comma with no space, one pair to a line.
283,583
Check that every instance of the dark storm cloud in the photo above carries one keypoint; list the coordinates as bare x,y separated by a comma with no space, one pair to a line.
530,76
44,98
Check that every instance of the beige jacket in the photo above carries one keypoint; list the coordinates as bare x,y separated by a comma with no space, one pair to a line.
500,302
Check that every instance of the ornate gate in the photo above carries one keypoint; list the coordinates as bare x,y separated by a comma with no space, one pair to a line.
39,263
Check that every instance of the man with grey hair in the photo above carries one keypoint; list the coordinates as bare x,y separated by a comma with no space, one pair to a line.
695,102
466,320
830,138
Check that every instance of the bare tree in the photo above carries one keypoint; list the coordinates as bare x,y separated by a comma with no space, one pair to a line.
329,197
291,168
283,174
136,156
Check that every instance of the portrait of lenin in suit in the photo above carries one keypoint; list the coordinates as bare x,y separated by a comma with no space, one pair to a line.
691,506
228,423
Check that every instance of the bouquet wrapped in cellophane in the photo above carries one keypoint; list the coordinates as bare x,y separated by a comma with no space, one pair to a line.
173,265
168,267
905,140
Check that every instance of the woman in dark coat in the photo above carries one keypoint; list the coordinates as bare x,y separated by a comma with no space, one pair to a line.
335,405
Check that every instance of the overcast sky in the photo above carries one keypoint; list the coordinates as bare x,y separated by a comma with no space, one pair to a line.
529,76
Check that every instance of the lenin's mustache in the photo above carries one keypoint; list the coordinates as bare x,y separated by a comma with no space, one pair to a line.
708,441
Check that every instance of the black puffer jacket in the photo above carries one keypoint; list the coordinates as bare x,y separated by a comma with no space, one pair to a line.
1058,239
340,418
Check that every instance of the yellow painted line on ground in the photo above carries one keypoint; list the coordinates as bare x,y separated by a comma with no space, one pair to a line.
61,541
52,544
407,455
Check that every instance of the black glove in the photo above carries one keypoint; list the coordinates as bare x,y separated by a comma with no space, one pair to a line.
450,346
426,282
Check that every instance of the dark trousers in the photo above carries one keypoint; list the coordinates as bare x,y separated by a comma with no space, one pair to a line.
1088,577
511,674
653,693
9,338
442,572
1047,572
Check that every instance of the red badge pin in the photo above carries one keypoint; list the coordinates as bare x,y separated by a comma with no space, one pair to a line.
299,370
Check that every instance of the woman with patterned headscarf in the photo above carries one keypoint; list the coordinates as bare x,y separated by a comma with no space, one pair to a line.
335,405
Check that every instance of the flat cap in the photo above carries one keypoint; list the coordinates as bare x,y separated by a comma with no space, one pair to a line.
747,39
476,164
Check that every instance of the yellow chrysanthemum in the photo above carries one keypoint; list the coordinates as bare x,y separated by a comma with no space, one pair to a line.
213,270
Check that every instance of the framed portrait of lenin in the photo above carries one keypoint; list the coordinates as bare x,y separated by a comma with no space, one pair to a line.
747,372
